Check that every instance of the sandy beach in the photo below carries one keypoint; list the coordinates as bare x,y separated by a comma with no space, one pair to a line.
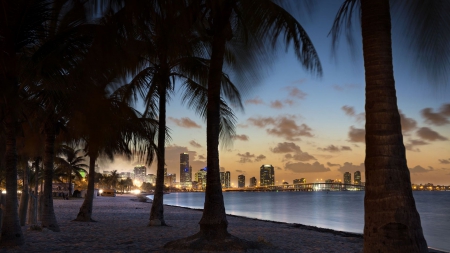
122,227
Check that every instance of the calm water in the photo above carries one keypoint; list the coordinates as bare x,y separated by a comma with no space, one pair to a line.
342,211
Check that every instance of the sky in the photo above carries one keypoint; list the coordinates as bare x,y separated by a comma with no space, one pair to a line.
313,128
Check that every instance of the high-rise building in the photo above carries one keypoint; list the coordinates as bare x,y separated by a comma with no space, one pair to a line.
200,178
151,178
347,178
140,173
241,181
267,175
357,177
222,179
252,182
185,170
227,179
165,171
299,181
170,179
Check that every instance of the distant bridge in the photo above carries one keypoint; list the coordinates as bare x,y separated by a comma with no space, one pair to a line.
301,187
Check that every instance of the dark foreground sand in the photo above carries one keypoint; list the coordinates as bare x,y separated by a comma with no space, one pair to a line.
122,227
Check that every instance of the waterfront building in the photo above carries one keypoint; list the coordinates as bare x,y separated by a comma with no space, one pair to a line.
357,177
140,173
241,181
185,170
267,175
151,178
347,178
200,178
252,182
227,179
170,179
222,179
299,181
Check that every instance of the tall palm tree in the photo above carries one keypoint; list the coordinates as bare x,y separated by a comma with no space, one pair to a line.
71,162
113,179
391,220
260,23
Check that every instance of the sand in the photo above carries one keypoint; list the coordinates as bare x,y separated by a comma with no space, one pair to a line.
122,227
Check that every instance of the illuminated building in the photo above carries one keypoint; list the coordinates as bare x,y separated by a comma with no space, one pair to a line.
267,175
227,179
241,181
222,179
299,181
357,177
151,178
170,179
252,182
200,178
185,170
140,173
347,178
165,171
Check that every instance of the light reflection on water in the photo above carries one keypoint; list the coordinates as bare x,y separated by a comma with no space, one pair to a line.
342,211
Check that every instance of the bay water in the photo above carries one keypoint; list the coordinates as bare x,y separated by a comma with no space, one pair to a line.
342,211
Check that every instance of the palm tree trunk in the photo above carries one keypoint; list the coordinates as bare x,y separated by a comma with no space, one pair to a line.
23,206
48,213
391,222
157,210
11,230
85,213
70,184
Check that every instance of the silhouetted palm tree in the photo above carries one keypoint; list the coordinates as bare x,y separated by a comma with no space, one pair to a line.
257,24
391,220
71,162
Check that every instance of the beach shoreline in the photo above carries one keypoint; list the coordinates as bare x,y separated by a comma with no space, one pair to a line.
122,227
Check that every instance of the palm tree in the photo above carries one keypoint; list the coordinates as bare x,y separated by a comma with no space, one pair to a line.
72,163
391,220
259,22
113,179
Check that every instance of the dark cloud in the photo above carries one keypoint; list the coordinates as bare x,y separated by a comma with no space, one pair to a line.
335,149
241,137
306,167
350,167
255,101
246,157
412,143
419,169
432,118
276,104
408,124
185,122
260,158
201,157
295,92
195,144
333,164
241,171
445,110
430,135
286,147
357,135
303,157
350,111
444,161
283,126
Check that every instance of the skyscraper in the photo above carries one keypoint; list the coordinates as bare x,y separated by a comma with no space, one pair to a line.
222,179
227,179
357,177
252,182
267,175
347,178
185,170
140,173
241,181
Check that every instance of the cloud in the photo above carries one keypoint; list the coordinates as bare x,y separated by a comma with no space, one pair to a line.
357,135
432,118
445,110
241,137
185,122
172,159
289,102
408,124
306,167
333,164
255,101
278,168
335,149
260,158
303,157
419,169
295,92
195,144
430,135
412,143
246,157
284,126
241,171
444,161
350,167
242,125
350,111
276,104
286,147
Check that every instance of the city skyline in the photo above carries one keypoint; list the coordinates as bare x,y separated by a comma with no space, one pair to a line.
314,127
